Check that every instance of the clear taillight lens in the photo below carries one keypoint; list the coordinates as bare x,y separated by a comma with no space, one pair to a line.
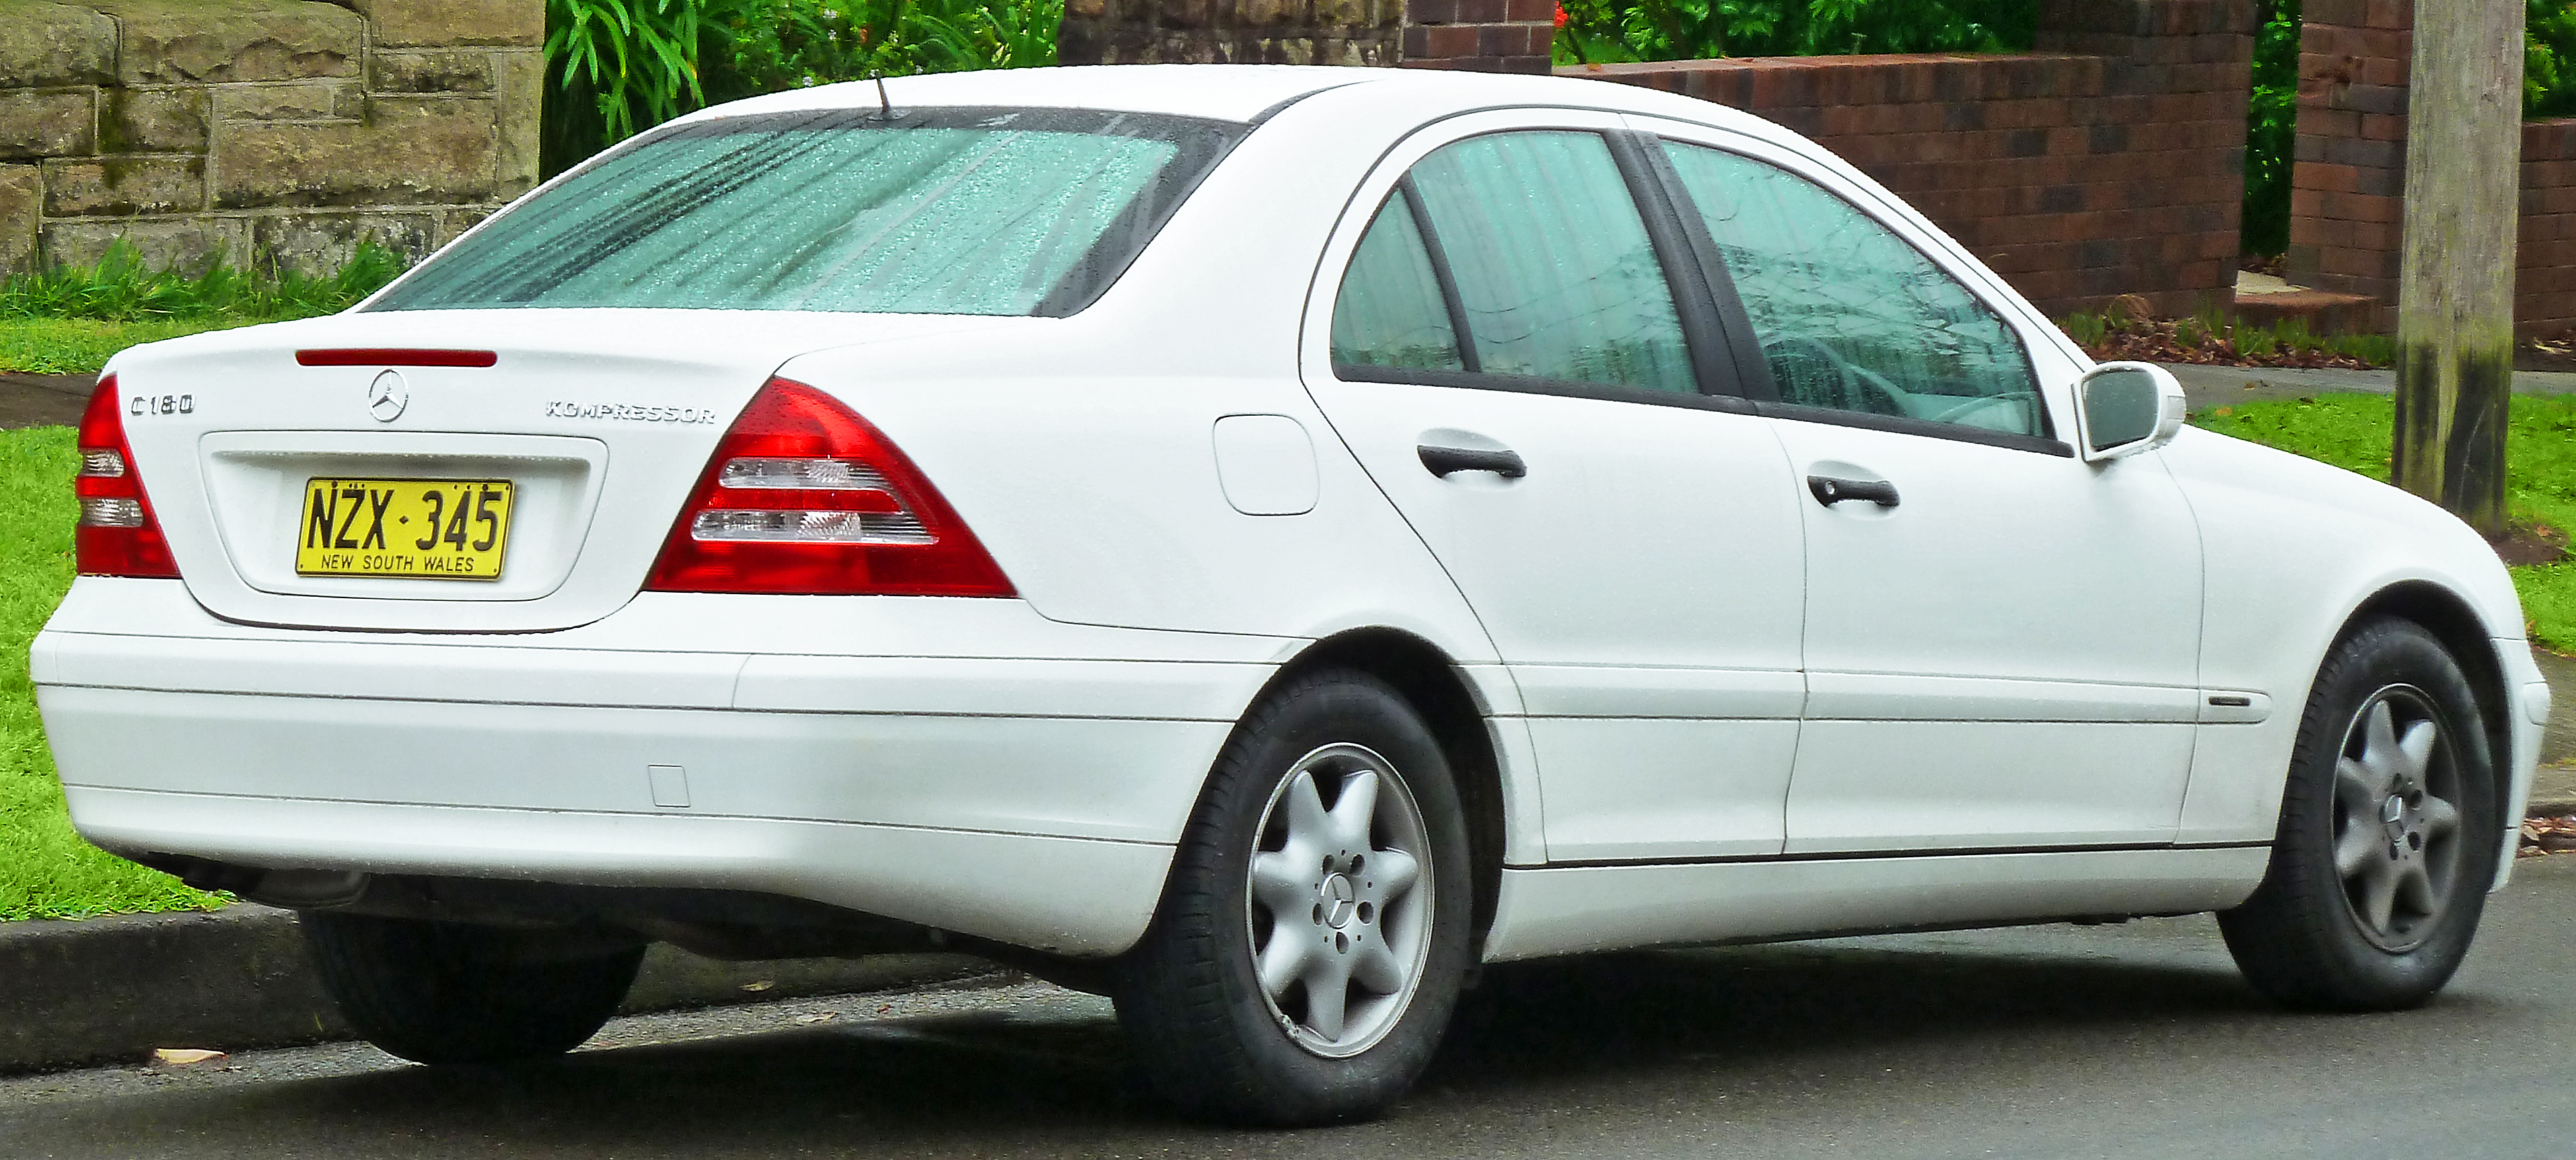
804,496
117,534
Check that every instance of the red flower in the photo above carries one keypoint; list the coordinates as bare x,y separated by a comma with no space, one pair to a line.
1560,16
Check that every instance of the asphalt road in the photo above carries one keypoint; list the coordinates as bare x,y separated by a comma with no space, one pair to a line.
2046,1042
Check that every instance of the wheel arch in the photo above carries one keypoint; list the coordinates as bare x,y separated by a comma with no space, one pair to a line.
1431,682
2452,620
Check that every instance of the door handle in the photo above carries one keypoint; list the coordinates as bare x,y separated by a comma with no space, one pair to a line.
1441,461
1829,490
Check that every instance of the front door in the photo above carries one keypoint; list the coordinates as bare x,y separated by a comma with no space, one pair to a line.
2001,640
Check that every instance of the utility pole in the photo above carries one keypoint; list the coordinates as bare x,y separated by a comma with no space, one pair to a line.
2455,278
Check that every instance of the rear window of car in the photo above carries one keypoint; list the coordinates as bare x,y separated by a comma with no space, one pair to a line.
932,211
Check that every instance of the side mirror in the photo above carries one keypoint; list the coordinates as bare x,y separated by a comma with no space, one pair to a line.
2124,408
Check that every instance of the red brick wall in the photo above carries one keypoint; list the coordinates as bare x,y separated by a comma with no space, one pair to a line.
2544,288
2111,163
2348,187
2349,180
1482,35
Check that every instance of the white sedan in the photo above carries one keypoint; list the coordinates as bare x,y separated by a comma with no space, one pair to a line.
1254,542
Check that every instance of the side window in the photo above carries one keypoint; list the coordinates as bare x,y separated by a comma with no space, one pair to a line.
1390,312
1849,315
1554,275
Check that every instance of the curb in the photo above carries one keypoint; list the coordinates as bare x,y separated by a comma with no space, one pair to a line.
43,400
108,990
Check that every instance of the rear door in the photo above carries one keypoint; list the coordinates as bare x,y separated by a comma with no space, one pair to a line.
1495,337
2001,640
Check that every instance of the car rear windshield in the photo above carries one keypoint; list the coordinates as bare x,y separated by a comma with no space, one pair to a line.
931,211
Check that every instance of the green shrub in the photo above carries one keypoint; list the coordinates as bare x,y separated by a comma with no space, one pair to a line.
614,67
2250,340
617,67
784,44
121,288
1599,30
2271,129
2549,43
2086,329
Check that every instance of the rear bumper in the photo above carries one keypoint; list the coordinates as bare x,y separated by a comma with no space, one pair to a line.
1067,896
1029,795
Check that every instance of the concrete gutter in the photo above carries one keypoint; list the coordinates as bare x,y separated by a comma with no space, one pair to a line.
111,990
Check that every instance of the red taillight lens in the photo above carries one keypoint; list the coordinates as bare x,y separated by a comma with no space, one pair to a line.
804,496
117,534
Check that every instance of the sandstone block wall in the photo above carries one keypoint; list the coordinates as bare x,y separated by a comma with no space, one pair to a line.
270,130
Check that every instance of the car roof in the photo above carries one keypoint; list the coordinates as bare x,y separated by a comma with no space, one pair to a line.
1227,92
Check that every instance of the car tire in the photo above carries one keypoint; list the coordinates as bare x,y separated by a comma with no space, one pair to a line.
1231,1023
454,993
2388,837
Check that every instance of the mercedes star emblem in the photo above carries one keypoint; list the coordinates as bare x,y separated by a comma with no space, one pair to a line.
387,396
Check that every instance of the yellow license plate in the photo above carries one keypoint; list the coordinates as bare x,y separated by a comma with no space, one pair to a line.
422,529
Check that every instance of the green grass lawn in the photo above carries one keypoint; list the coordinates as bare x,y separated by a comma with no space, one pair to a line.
2352,432
68,320
80,346
46,871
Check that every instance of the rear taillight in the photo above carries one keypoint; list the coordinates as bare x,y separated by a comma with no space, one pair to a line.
117,534
804,496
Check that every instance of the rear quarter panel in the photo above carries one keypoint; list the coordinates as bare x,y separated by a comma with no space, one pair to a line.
1081,450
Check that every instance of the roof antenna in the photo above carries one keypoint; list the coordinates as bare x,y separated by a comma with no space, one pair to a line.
883,100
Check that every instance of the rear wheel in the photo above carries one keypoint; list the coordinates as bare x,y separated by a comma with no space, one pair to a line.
453,993
1313,935
2388,836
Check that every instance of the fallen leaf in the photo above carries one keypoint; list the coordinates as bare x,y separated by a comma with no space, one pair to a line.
762,985
817,1017
2549,835
183,1056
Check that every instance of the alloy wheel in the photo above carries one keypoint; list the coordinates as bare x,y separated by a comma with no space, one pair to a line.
1341,898
2396,818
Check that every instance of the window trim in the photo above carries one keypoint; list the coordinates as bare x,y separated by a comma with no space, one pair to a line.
1442,274
1715,365
1714,268
1713,362
1752,378
1909,425
1533,385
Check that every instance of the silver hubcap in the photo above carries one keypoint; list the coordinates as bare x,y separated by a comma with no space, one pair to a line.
2397,820
1340,905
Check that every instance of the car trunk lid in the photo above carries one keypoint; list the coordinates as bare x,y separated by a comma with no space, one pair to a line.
597,421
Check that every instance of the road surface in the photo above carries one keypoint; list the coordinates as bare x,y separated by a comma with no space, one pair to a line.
2053,1042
